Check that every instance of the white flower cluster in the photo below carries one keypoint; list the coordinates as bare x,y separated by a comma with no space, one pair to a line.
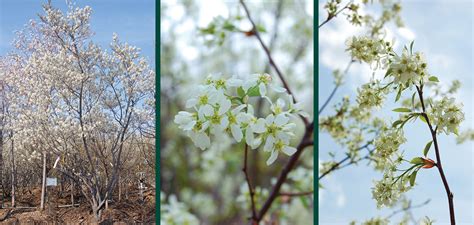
369,50
446,115
387,143
388,191
176,213
408,68
218,111
370,95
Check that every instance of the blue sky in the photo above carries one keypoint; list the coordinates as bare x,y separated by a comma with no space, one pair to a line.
443,30
132,20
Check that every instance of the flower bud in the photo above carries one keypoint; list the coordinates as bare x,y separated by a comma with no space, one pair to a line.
428,163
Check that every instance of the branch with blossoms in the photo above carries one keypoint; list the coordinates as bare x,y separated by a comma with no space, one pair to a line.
223,105
404,71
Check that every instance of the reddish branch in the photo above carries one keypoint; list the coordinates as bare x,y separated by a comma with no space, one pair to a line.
332,16
305,141
289,194
251,190
438,157
269,56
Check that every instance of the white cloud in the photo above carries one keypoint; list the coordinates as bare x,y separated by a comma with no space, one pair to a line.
406,33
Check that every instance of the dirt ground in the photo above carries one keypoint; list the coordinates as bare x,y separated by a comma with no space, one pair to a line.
127,211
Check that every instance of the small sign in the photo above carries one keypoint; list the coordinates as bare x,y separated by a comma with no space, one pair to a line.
51,181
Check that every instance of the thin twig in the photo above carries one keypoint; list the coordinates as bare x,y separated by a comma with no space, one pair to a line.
289,194
251,190
330,17
409,207
305,142
346,70
337,165
269,56
438,157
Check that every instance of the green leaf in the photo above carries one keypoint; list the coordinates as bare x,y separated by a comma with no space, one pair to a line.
433,79
398,94
389,71
417,160
240,92
261,29
411,46
422,118
396,123
402,110
413,178
427,148
228,26
413,100
304,200
253,91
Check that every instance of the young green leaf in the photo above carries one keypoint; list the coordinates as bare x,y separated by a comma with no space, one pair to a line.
396,123
389,71
433,79
422,118
398,94
411,47
417,160
240,92
253,91
402,110
427,148
413,178
413,100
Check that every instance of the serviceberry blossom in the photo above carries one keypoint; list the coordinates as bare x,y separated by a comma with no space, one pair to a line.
221,107
388,190
408,68
370,95
387,143
446,115
369,50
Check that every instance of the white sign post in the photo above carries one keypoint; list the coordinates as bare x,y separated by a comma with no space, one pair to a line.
51,181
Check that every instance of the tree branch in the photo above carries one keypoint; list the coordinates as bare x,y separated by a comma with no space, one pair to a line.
335,88
269,56
289,194
305,142
330,17
409,207
337,165
438,157
251,190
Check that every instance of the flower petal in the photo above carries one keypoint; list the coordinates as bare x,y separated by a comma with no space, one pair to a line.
236,132
289,150
269,144
272,158
262,89
259,126
224,106
281,120
278,88
191,102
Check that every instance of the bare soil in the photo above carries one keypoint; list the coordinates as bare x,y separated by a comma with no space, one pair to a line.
127,211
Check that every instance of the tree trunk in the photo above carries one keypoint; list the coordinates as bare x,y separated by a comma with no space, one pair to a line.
13,170
119,192
72,193
1,165
43,184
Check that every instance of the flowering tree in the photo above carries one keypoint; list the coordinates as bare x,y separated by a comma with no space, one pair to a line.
402,72
73,101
